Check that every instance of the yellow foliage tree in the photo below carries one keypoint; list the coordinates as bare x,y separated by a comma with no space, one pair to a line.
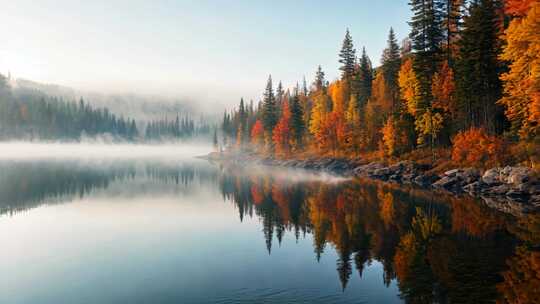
408,85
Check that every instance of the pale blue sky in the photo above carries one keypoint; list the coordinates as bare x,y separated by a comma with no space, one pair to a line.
208,50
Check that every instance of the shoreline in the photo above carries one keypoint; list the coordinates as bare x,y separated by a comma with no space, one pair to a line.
508,189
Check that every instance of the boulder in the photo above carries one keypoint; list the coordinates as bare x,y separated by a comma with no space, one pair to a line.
518,175
446,182
491,176
452,172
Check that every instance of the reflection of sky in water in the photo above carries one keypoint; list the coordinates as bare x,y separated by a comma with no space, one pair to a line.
145,239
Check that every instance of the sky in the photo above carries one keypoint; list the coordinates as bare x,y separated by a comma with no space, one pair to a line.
209,51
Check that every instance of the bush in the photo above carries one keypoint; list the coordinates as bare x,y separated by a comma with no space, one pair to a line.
476,148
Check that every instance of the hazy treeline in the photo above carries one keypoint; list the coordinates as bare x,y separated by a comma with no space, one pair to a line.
27,114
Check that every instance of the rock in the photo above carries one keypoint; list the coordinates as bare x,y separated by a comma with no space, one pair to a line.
518,175
491,176
446,182
469,175
452,172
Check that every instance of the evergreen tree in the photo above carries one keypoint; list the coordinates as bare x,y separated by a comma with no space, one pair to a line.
453,12
347,57
319,82
478,69
364,79
391,63
279,95
426,35
269,110
297,121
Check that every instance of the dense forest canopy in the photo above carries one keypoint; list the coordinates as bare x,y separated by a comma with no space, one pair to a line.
467,77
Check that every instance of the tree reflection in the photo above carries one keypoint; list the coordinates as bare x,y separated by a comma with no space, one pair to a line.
439,248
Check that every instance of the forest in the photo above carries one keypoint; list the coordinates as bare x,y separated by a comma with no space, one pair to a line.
32,115
463,88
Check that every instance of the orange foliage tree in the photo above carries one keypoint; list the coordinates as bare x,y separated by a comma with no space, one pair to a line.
281,135
443,89
257,134
522,81
475,147
518,7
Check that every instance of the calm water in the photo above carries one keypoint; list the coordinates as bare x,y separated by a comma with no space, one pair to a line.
186,231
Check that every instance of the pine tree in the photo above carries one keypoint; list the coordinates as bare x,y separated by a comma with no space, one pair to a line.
279,95
319,82
364,79
297,122
391,63
269,110
477,68
347,57
453,13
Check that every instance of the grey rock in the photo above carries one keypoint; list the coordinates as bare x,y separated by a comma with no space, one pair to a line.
491,176
446,182
452,172
518,175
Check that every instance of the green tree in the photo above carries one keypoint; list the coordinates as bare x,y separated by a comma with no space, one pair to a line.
478,86
347,57
269,110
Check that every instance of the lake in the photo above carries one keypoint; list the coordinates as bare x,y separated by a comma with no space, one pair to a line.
176,229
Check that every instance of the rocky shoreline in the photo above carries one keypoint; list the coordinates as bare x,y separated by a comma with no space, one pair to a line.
513,190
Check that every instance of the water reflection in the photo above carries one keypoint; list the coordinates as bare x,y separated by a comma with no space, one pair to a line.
437,248
440,248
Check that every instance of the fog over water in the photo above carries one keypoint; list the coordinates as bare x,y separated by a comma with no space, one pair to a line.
30,150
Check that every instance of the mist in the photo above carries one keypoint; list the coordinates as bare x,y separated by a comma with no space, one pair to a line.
18,150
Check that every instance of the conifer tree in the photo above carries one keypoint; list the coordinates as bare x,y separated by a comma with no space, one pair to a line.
297,122
364,79
319,82
477,68
391,63
269,110
452,21
347,57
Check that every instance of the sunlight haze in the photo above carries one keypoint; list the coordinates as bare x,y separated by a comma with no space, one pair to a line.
202,50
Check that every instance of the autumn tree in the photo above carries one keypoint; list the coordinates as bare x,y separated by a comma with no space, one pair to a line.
319,113
522,82
257,134
281,134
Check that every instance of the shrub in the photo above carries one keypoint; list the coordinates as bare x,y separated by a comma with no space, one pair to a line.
476,148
